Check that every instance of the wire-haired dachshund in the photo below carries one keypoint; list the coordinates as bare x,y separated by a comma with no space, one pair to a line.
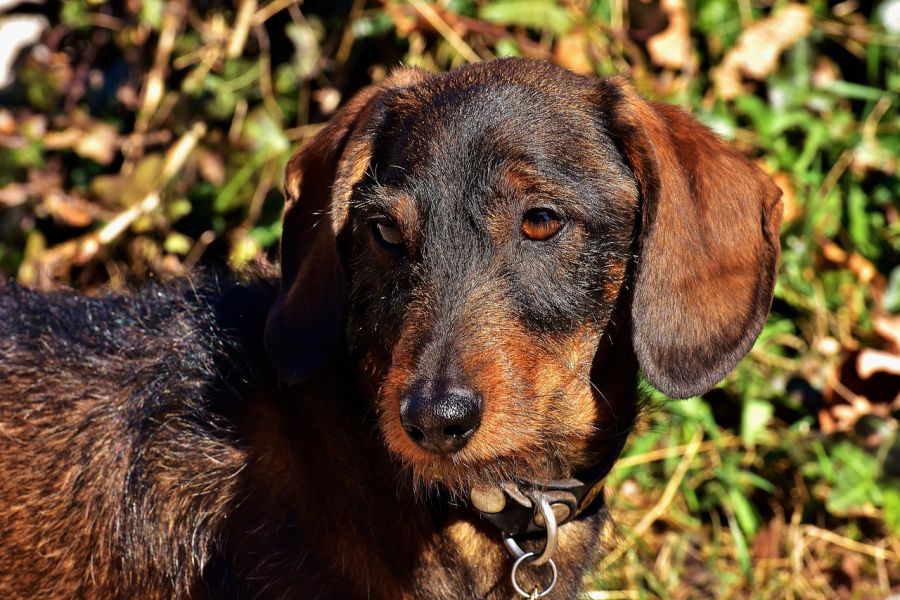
474,267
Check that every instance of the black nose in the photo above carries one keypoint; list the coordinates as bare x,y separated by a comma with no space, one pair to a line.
440,418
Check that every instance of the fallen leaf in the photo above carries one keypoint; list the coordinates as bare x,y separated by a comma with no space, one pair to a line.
405,22
56,140
100,143
826,422
671,48
13,194
862,267
788,197
756,53
865,382
888,327
307,52
18,32
328,99
212,167
95,140
827,345
871,155
7,123
572,51
766,543
825,73
834,253
68,210
872,361
851,566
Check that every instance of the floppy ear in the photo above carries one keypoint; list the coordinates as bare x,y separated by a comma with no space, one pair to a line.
709,243
305,326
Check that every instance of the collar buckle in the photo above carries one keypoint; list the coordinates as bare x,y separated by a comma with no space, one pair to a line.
512,510
542,505
509,506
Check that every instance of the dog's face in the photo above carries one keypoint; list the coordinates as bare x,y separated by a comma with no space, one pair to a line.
489,236
474,234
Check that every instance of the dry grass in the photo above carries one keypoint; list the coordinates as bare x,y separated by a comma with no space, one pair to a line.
144,139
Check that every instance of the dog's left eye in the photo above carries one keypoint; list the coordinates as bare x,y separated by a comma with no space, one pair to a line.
540,224
388,235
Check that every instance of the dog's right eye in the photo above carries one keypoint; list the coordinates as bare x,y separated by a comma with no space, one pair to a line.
540,224
388,235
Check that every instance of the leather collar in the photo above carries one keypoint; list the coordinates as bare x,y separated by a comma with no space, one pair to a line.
510,509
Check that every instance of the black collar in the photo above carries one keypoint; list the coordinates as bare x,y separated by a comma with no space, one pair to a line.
510,509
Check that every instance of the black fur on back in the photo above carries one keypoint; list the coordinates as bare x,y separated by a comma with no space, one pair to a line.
117,440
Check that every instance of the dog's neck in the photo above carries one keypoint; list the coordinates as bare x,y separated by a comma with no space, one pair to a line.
334,497
323,491
320,492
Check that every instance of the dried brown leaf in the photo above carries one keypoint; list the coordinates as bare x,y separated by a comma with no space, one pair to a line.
328,99
766,544
872,361
833,253
759,47
671,47
862,267
211,166
825,73
865,382
870,155
826,422
67,209
788,197
405,22
7,123
13,194
572,51
888,327
99,143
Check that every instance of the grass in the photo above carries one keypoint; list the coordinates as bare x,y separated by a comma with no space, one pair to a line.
150,141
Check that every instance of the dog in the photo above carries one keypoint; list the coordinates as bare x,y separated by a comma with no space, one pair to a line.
474,268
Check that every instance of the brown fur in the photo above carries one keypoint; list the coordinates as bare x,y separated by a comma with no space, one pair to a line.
160,445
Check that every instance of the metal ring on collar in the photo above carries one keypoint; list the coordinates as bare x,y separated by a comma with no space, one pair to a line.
519,589
549,523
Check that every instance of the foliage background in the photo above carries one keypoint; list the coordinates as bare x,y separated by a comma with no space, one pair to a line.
141,139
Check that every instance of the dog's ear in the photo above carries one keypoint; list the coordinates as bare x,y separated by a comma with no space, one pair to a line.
305,326
709,244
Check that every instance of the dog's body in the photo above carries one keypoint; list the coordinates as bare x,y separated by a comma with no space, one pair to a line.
474,266
150,452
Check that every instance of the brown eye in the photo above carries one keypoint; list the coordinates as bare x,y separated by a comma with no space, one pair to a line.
540,224
388,235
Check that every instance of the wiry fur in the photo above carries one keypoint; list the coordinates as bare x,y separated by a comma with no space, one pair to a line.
119,460
247,440
147,450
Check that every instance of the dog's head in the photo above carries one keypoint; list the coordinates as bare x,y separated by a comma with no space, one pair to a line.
477,233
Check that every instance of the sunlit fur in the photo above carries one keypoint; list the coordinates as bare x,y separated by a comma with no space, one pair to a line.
470,297
223,439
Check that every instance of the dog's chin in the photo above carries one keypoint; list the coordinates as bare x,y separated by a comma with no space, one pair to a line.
456,474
